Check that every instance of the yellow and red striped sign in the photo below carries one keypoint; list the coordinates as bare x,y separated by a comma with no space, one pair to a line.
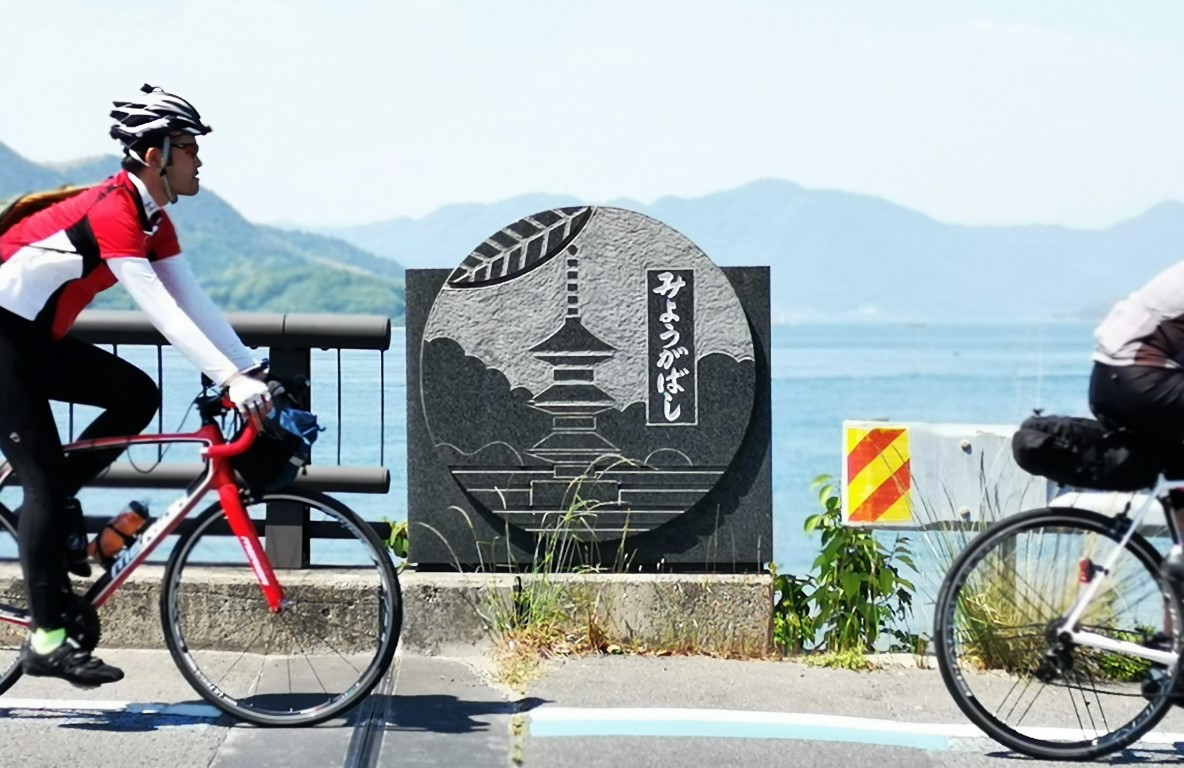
878,475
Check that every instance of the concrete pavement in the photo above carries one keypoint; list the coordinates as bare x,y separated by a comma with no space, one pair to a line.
580,712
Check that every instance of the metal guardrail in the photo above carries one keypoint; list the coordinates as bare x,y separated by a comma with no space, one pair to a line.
256,329
290,339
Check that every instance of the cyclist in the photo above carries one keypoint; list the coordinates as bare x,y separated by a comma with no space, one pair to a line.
1138,376
52,264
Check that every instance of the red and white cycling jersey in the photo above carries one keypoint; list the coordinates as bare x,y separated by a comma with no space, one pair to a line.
1147,327
55,261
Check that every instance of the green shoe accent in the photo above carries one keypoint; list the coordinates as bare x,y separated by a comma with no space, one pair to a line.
46,640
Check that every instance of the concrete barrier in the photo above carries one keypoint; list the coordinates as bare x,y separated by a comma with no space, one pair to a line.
915,475
459,614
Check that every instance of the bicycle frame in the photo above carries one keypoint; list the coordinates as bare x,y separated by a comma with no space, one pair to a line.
219,475
1101,571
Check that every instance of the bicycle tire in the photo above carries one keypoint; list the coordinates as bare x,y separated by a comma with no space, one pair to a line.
946,621
239,707
11,671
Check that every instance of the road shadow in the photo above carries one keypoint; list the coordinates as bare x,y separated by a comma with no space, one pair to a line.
434,713
438,713
1166,754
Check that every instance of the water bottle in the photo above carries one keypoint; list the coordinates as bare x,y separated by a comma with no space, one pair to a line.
119,533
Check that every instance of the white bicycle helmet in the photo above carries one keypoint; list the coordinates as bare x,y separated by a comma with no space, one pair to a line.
157,113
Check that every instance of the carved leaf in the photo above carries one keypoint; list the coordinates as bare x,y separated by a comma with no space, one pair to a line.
517,249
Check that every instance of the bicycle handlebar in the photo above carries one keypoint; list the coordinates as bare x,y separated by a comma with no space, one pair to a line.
239,444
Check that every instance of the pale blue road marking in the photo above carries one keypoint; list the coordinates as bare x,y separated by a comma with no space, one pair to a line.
549,722
736,730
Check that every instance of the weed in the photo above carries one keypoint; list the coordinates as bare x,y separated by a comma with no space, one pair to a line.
856,592
853,659
794,628
398,541
549,613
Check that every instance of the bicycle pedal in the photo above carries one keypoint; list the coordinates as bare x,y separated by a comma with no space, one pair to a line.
80,569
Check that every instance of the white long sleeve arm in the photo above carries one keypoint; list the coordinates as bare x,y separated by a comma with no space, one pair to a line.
179,308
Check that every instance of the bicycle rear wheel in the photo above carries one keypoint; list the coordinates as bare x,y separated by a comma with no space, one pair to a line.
315,659
996,633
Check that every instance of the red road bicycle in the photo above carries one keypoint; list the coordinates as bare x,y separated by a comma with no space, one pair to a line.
266,646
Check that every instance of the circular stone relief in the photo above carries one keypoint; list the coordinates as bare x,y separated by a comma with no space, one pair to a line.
587,366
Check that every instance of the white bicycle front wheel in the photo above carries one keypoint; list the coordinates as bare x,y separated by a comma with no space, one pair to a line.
1006,663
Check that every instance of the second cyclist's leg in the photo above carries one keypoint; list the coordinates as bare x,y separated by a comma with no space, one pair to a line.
1149,400
29,440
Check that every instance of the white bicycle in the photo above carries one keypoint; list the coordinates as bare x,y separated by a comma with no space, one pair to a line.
1056,633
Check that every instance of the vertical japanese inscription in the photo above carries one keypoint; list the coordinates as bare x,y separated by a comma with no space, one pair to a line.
673,396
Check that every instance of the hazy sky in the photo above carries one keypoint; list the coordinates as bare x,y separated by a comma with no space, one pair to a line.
999,112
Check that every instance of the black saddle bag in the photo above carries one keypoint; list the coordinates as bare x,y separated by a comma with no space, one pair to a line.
1083,453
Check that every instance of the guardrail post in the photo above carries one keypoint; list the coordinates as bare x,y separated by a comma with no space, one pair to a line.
287,523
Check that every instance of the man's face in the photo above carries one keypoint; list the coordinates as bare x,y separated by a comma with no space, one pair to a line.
182,170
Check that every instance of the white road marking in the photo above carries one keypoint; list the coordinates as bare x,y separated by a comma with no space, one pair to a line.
202,711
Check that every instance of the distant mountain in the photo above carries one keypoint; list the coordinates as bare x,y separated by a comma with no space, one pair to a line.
244,266
446,236
17,173
837,256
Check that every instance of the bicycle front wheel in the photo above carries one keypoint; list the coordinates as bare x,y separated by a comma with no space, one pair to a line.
997,635
320,655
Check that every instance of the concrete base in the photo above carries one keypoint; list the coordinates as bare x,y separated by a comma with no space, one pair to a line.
457,614
460,614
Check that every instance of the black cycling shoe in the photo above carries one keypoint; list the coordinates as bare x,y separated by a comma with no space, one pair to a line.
72,663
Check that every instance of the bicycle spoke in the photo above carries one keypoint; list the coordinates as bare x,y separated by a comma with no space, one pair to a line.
1030,704
346,632
1019,698
1076,710
311,668
1098,699
344,659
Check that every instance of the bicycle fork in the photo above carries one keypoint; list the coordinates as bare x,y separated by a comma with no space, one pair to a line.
1092,576
244,531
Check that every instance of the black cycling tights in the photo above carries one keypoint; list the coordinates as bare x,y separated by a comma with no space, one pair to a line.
34,369
1146,399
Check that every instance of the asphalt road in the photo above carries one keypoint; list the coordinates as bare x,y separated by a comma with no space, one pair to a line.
608,711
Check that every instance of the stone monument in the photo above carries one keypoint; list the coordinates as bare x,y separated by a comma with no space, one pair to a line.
589,371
